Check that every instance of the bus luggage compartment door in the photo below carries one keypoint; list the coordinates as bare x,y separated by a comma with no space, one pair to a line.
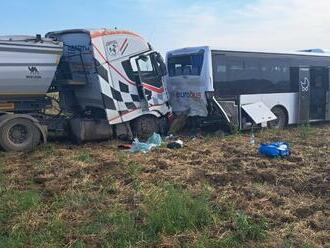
304,95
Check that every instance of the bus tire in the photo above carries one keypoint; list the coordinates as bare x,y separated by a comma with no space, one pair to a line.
19,134
144,126
282,118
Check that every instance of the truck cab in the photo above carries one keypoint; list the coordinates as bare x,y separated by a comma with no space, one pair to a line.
106,82
115,77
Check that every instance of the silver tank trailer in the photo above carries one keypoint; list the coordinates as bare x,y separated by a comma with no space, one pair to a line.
27,65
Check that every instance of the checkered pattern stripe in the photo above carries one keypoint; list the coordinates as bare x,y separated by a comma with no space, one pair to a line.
119,95
129,101
123,96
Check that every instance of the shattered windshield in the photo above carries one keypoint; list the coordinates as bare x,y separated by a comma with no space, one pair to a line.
149,69
186,65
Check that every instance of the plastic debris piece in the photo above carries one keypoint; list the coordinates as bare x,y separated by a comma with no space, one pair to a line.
125,146
175,145
252,139
273,150
154,141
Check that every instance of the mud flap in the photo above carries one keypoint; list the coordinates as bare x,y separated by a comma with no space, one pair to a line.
259,112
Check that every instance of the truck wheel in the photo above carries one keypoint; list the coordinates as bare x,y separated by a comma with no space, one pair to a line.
144,126
281,121
19,135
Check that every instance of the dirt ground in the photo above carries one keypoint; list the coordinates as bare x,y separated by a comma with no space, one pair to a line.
72,183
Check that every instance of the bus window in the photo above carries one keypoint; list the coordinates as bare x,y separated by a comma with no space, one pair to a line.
186,65
275,74
234,75
219,68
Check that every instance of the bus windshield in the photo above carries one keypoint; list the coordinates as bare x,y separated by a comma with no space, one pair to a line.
186,65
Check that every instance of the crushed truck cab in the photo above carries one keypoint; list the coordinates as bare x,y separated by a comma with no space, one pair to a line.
112,75
107,82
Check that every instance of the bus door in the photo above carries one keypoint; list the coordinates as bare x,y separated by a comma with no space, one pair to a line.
304,94
318,92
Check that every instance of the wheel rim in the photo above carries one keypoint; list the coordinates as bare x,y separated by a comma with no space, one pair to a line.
18,134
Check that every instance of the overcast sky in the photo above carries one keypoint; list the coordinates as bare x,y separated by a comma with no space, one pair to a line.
253,24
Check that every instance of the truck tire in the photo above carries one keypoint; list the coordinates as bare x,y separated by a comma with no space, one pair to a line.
18,135
282,118
144,126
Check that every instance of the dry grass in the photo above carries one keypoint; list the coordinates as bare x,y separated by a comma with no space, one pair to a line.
212,193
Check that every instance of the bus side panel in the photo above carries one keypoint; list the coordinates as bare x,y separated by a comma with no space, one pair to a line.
327,108
289,101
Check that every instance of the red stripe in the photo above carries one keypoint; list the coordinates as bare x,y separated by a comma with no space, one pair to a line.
129,112
124,114
122,46
124,49
153,88
114,68
101,33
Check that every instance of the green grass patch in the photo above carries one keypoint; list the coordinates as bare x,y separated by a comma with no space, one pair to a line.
126,232
167,210
245,229
14,202
174,210
51,235
248,229
117,228
134,170
14,240
47,149
230,242
163,211
84,156
204,241
305,130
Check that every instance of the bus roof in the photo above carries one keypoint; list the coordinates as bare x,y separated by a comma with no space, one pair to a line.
310,52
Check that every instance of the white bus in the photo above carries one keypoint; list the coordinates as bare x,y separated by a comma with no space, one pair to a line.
248,87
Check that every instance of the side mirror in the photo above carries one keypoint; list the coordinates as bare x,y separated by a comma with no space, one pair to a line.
163,69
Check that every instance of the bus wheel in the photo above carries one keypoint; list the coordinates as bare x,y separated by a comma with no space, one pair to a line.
19,134
282,119
144,126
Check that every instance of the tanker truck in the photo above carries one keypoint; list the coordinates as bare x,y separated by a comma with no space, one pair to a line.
86,84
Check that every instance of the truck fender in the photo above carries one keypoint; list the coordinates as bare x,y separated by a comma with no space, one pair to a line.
152,112
155,113
7,117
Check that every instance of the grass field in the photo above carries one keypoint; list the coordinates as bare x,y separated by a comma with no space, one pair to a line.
215,192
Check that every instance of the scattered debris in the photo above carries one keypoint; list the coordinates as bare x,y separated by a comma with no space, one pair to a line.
125,146
175,145
154,141
277,149
86,204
